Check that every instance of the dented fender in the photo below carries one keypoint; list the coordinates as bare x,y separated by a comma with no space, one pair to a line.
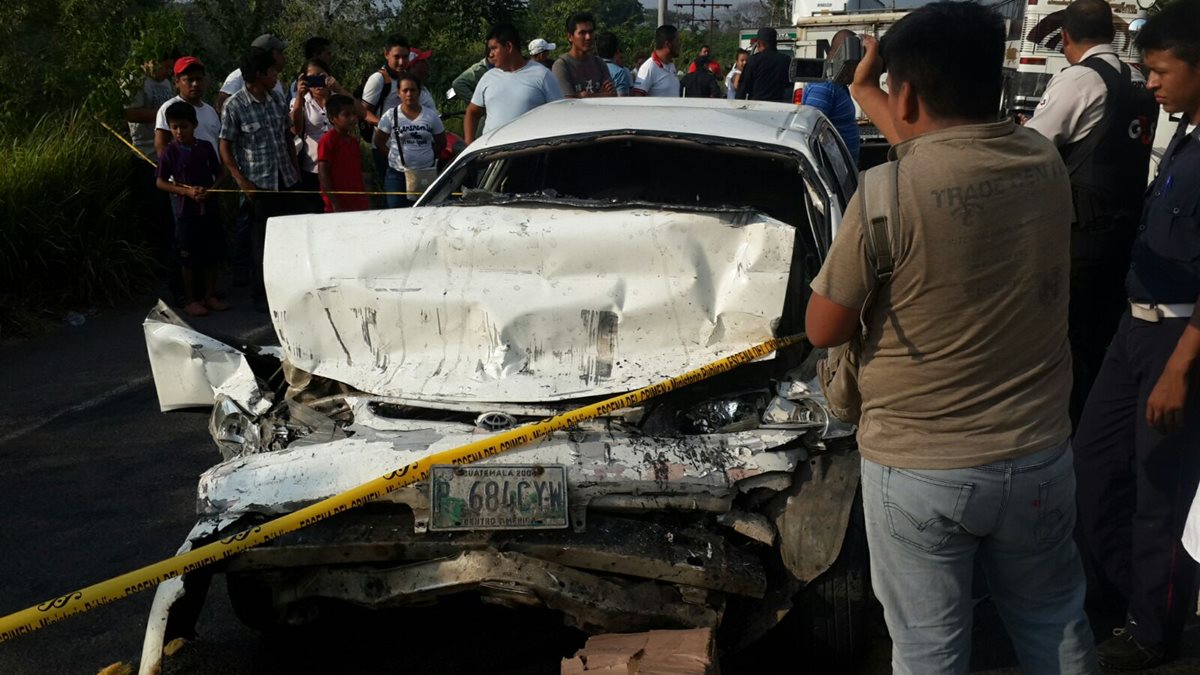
812,526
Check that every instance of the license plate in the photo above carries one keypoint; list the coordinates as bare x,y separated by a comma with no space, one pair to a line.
498,497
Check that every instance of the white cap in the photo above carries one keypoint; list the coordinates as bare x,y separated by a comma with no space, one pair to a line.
539,45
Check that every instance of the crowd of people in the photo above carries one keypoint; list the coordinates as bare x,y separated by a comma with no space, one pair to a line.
274,133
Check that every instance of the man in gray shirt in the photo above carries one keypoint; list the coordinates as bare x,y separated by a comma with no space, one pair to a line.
579,72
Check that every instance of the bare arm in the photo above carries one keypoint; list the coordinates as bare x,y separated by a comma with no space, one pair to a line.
140,115
161,140
866,90
297,112
326,178
219,104
471,122
181,190
381,140
828,324
230,162
1164,408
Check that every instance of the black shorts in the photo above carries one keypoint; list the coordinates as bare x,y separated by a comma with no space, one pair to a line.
200,240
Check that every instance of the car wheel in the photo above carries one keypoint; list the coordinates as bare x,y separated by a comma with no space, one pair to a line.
835,608
254,605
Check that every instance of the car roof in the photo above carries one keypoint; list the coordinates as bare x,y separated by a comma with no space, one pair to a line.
778,124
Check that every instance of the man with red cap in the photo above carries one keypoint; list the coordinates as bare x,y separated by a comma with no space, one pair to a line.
191,80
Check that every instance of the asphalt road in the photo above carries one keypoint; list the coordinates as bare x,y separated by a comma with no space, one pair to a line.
96,482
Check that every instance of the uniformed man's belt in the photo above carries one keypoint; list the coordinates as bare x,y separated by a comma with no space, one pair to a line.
1155,313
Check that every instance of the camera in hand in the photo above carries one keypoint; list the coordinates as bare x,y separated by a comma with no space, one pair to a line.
838,68
315,80
841,67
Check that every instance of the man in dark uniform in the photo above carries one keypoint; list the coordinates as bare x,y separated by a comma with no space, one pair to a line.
766,74
1102,119
1137,450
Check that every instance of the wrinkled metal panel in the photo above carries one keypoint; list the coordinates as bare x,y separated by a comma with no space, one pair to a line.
521,303
191,369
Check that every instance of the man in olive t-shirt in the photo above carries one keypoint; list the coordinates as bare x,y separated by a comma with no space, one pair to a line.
965,370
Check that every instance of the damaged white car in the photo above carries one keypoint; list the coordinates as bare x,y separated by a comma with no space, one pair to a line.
585,250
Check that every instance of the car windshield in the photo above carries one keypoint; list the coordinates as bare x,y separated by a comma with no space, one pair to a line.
625,168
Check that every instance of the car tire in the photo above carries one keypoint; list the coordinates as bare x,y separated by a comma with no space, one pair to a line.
835,608
252,601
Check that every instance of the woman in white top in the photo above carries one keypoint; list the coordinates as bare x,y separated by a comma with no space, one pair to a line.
309,123
412,136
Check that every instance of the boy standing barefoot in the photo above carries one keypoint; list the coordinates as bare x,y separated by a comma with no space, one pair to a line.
187,167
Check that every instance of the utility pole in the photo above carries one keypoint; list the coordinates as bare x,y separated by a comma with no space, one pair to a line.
703,4
662,12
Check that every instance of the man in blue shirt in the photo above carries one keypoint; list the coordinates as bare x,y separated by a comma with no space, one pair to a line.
833,99
1137,449
609,49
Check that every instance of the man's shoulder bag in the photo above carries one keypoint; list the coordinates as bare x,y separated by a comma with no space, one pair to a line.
838,371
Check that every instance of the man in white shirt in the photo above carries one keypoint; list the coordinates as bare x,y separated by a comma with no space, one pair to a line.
234,82
658,76
155,88
1100,116
380,93
190,81
515,86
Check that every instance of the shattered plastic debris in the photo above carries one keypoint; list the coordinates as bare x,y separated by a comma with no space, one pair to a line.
720,416
784,412
234,430
795,389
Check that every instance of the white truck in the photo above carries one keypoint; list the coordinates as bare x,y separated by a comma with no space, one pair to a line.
817,21
1033,54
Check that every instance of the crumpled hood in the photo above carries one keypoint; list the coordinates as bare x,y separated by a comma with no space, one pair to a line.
521,303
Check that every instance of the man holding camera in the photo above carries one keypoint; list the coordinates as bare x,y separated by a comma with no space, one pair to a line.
1102,119
832,97
964,367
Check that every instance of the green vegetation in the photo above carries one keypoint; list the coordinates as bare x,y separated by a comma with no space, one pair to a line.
68,236
67,233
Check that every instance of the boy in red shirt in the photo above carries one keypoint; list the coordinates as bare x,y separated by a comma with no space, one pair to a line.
339,162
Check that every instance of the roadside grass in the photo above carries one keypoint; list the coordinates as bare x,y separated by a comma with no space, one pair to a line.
68,235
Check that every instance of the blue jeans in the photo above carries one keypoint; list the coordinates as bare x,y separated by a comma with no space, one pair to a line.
394,181
925,529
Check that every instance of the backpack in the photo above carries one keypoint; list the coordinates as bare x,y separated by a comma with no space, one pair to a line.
837,373
365,129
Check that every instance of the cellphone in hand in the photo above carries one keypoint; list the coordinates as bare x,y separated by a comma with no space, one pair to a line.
315,80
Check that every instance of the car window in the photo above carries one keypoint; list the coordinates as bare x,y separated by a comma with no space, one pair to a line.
638,169
818,216
835,163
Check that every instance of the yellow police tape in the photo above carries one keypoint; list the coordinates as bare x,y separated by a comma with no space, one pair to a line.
96,595
154,164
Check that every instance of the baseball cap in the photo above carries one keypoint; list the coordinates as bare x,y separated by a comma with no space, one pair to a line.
415,55
539,45
268,42
184,62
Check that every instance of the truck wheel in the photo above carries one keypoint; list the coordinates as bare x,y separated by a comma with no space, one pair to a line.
835,607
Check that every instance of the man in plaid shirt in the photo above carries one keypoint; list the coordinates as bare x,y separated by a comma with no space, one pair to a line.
257,150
